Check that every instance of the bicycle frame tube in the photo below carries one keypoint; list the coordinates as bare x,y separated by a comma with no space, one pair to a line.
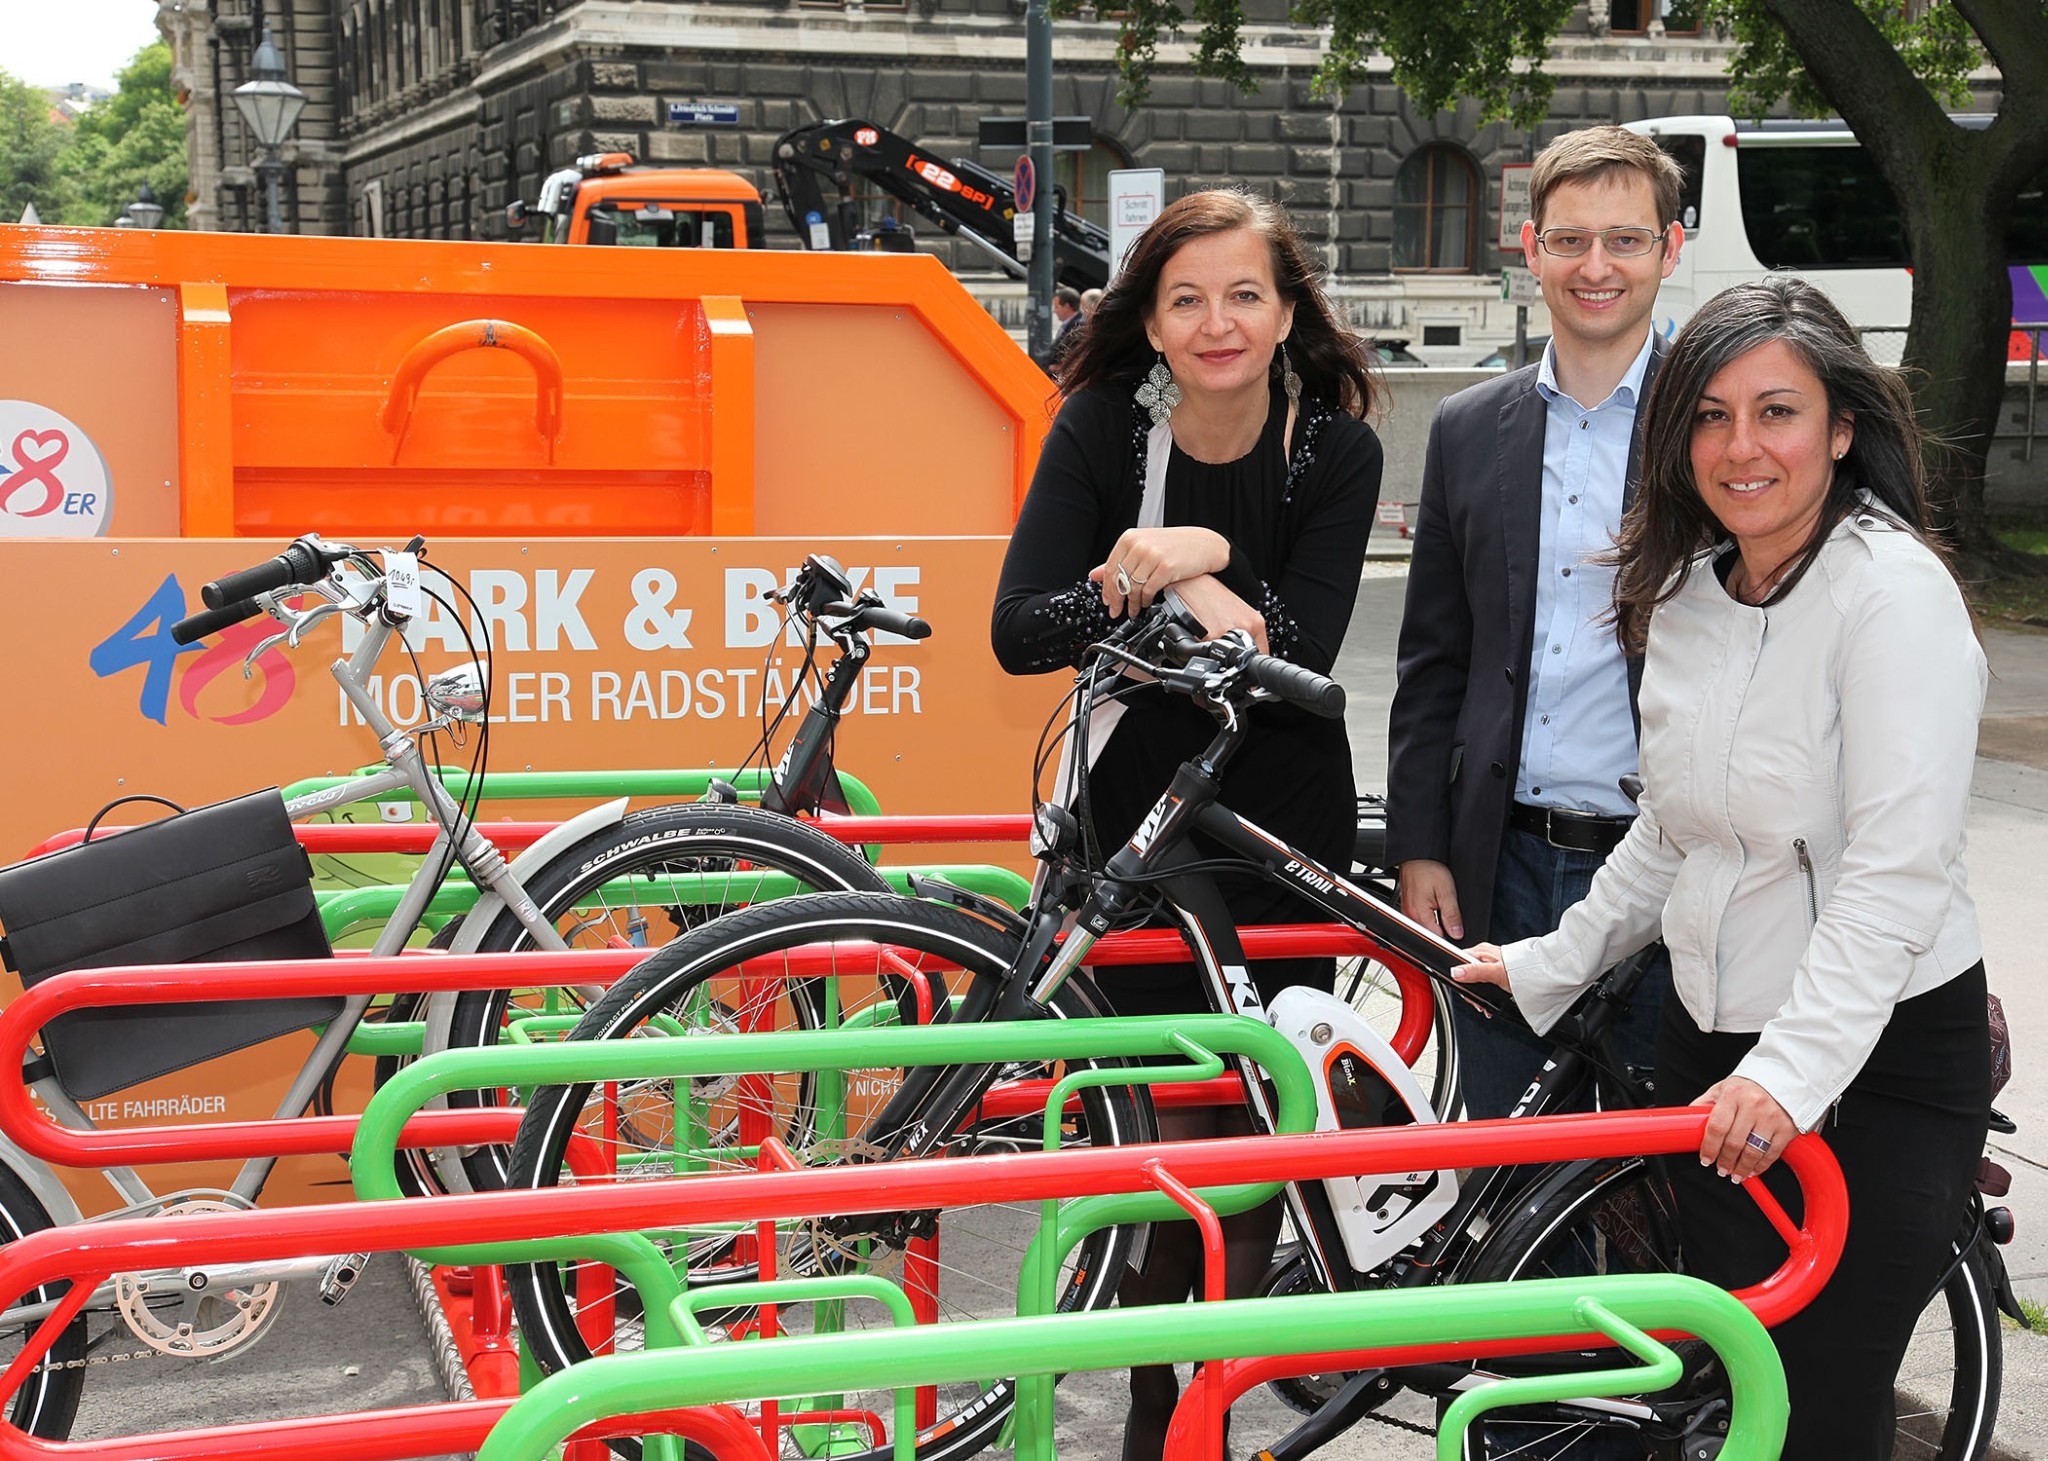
804,776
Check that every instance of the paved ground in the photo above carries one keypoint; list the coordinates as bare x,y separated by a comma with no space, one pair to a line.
372,1351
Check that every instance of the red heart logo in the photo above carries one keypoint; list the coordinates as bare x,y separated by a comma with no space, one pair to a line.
34,447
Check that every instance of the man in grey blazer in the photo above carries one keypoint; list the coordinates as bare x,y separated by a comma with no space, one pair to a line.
1514,718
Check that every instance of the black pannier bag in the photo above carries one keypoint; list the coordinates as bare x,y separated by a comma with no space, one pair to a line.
219,883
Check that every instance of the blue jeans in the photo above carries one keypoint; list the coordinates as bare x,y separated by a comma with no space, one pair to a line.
1499,1057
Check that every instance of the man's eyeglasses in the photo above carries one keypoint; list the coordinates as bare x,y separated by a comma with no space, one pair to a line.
1620,243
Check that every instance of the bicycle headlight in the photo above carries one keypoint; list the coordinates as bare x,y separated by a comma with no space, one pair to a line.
458,693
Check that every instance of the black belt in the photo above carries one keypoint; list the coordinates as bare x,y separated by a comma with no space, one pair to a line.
1572,831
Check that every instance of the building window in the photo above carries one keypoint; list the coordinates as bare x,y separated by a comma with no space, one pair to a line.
1434,213
1633,17
1085,176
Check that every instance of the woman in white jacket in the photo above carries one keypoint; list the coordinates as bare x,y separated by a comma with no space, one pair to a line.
1811,689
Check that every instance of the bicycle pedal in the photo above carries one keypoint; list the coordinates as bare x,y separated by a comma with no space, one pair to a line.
341,1276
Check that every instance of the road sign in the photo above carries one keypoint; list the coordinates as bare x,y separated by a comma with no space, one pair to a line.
1069,134
1024,230
1136,194
1519,286
1024,183
1514,205
705,113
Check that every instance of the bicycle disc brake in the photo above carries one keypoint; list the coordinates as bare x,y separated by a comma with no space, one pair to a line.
164,1312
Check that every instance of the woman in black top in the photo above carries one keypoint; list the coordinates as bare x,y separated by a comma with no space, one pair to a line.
1212,441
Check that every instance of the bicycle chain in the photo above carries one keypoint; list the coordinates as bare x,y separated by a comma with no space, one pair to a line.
102,1359
1398,1424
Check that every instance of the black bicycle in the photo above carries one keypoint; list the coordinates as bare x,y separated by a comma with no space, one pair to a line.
818,961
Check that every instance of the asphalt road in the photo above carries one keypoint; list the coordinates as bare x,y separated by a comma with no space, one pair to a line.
372,1351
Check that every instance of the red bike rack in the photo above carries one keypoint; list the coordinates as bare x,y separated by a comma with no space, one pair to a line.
88,1253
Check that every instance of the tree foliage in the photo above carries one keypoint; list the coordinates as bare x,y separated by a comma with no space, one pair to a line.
32,146
86,172
1441,54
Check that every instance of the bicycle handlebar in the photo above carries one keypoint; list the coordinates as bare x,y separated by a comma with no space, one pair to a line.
195,627
1282,679
305,561
877,616
1317,694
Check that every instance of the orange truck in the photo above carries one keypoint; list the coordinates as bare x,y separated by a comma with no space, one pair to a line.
605,199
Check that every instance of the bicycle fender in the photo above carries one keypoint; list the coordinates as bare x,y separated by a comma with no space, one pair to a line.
56,1199
524,866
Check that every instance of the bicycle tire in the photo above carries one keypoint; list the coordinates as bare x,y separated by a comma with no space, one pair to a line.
743,846
1957,1342
694,972
47,1403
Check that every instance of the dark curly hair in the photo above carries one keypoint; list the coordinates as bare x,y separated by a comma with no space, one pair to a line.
1668,525
1333,363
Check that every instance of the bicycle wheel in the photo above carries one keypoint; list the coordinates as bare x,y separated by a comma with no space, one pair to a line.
892,959
1604,1217
47,1402
643,882
1946,1397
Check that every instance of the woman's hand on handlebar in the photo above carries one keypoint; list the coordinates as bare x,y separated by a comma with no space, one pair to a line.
1220,611
1153,560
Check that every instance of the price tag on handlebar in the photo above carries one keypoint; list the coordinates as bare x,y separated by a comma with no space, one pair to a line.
402,584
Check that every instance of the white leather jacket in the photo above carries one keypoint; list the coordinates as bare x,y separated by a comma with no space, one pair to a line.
1800,839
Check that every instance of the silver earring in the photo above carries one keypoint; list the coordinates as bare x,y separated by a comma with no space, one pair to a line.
1289,381
1159,394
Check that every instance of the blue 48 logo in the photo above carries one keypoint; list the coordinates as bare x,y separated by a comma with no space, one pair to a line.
145,643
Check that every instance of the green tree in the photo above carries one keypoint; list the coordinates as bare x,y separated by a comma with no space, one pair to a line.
1888,70
32,147
135,136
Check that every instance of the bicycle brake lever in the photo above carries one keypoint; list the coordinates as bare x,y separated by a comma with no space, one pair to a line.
301,622
263,646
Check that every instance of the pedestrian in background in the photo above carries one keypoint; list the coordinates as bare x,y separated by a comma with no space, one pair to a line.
1211,441
1810,697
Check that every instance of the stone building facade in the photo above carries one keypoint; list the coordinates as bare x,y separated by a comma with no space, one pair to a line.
427,116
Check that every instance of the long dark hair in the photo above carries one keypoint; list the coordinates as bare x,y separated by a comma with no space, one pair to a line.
1669,525
1333,363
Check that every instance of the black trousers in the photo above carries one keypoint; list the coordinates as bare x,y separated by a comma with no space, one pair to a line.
1909,1133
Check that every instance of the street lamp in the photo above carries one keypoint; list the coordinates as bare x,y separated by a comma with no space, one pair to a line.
145,211
270,105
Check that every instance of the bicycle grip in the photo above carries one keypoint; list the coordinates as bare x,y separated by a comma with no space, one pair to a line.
192,629
896,622
300,563
1317,694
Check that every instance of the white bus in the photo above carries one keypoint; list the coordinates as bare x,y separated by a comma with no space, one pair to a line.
1803,196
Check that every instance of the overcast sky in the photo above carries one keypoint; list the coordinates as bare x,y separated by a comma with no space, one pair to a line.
55,42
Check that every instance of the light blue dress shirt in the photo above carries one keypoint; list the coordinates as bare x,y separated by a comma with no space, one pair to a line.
1578,738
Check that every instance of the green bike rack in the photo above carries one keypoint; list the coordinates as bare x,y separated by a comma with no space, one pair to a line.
813,1291
1619,1305
644,1264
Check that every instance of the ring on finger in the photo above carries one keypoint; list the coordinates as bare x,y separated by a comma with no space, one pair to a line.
1123,580
1758,1142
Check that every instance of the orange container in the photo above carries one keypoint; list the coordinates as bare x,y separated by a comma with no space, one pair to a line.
229,385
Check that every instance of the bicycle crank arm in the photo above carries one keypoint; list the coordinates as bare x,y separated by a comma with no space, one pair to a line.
236,1275
1363,1393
